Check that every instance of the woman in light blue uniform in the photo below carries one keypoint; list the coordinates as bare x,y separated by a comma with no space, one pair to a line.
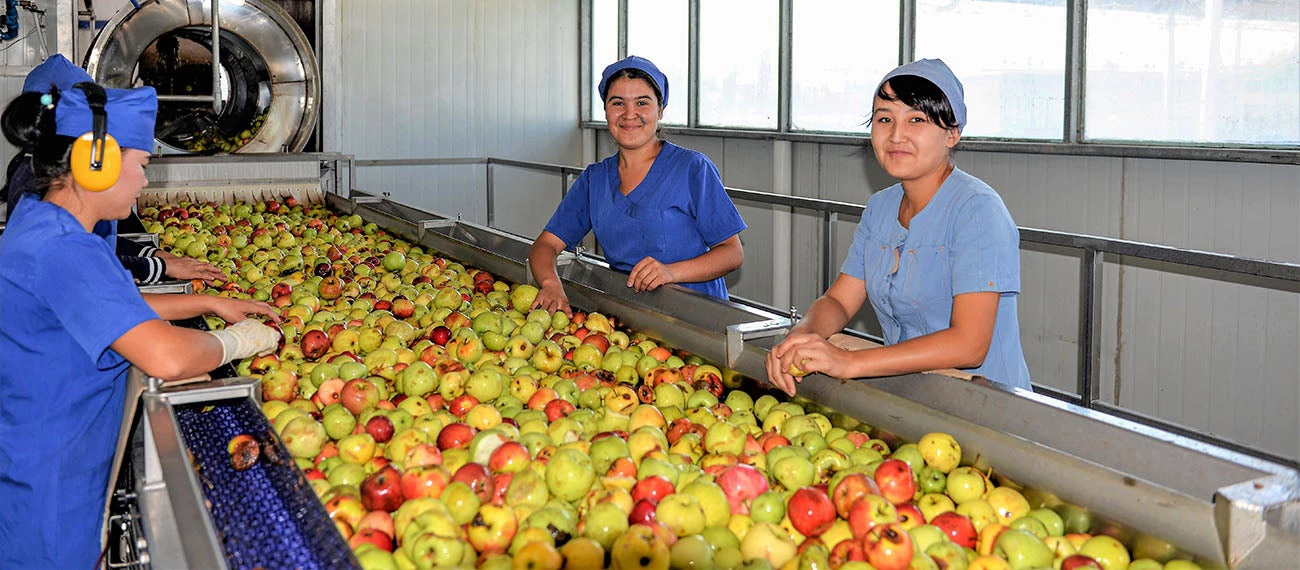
659,210
937,255
72,322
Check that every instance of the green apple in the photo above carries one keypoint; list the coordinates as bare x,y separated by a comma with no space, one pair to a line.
569,474
1107,551
1022,550
681,513
768,507
692,551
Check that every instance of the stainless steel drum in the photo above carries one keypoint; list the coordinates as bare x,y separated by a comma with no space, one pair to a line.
269,86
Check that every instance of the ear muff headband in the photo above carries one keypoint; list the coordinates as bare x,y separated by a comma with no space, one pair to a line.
96,157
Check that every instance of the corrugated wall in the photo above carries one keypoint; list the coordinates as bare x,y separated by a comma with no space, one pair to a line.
456,78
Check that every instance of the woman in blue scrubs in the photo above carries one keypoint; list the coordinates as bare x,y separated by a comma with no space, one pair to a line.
148,265
72,322
937,254
659,210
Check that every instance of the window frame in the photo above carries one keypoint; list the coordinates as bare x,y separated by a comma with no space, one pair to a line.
1073,142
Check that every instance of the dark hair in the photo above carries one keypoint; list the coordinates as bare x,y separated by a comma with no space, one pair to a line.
633,73
920,94
29,125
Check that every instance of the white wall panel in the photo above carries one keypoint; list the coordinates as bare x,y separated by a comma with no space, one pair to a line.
451,78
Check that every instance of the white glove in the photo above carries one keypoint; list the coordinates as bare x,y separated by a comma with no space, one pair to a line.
246,338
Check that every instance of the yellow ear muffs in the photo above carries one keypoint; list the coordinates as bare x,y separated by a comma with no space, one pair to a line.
96,164
96,159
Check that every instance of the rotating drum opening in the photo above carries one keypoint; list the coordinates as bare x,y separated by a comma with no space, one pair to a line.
179,63
268,84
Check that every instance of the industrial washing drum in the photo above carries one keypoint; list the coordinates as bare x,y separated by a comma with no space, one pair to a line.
269,90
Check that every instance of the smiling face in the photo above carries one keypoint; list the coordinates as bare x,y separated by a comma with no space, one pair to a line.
632,112
908,144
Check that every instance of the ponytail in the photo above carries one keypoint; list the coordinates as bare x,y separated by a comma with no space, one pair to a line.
28,123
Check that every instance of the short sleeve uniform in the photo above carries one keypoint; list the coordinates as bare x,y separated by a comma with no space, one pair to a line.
677,213
64,299
963,241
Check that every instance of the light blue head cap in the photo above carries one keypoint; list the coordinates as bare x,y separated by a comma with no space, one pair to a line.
937,72
634,62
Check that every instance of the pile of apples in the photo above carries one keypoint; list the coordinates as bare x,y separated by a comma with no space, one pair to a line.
444,424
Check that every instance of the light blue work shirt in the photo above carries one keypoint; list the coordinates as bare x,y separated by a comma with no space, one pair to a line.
64,299
676,213
963,241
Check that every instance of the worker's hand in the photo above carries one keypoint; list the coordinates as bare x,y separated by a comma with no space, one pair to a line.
551,298
235,310
649,274
246,338
187,268
804,353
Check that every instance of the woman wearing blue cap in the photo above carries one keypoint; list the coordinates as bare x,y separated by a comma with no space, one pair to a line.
937,255
72,322
147,264
659,210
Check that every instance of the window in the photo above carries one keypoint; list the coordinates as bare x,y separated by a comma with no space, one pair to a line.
1205,72
604,48
657,30
839,50
1010,58
738,63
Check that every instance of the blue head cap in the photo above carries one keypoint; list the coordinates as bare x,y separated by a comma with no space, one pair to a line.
935,71
634,62
131,114
57,71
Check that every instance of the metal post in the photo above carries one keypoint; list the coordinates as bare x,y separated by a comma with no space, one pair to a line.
491,206
216,56
693,65
906,31
829,220
1075,32
1090,287
785,31
622,29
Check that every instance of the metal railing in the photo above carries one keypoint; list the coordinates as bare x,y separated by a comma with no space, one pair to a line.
1092,249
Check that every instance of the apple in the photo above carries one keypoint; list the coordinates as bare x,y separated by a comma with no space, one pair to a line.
769,542
895,480
569,474
424,481
940,450
359,395
869,512
492,529
455,436
639,547
314,343
477,478
849,489
653,488
811,511
1107,551
1022,550
966,484
380,427
681,514
1079,562
382,490
959,529
888,547
741,483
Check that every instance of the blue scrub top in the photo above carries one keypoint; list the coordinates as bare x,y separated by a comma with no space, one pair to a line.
963,241
64,298
676,213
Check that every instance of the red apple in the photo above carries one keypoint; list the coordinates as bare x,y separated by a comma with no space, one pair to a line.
888,547
478,478
653,488
1079,562
359,395
810,511
849,490
643,512
894,477
741,483
382,490
455,436
424,482
958,528
380,428
372,536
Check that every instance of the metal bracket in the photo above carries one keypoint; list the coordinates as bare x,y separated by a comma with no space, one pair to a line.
425,225
142,237
738,334
565,257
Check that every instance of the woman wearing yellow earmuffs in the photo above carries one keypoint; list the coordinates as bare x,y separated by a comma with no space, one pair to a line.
72,321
